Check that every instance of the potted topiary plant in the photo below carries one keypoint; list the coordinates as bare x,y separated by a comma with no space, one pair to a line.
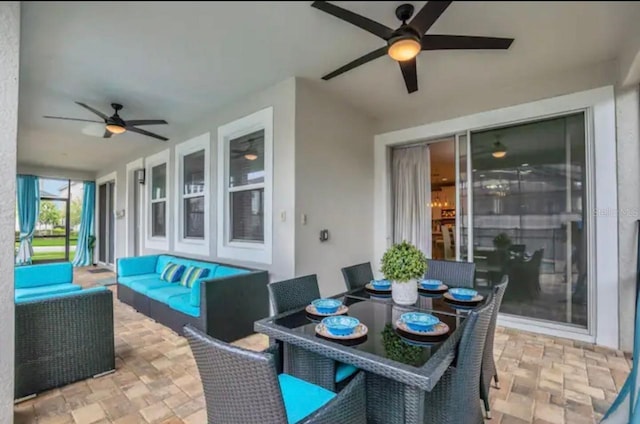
404,264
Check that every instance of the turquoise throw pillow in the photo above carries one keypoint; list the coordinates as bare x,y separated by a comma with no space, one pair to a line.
192,274
172,272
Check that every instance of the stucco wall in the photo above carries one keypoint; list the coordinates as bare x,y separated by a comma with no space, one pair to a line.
334,186
9,61
628,134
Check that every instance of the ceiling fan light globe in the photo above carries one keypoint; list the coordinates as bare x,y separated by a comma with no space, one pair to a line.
115,129
405,48
251,156
499,150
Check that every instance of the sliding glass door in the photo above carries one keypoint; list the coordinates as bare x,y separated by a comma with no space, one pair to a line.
523,197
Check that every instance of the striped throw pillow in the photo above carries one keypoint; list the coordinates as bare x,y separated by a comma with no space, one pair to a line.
172,272
192,274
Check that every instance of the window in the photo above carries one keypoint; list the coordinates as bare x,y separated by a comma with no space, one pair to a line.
157,171
192,186
244,204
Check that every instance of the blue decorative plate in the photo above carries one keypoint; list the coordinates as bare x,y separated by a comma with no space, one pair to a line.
326,306
431,284
381,284
419,321
340,325
463,294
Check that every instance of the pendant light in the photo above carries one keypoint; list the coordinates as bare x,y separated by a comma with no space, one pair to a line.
499,149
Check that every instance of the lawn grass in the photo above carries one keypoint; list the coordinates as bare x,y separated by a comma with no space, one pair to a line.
51,256
50,241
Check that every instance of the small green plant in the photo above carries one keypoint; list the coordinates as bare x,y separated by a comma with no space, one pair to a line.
502,241
403,262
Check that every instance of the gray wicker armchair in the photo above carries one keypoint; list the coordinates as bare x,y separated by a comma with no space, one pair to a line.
489,370
293,294
357,276
455,398
243,387
451,273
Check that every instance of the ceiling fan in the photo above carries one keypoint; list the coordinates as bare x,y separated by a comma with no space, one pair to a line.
115,124
250,153
406,42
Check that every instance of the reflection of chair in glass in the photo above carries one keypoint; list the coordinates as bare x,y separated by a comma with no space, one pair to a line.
447,235
524,275
451,273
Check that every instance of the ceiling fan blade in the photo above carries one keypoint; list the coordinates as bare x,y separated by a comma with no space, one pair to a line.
135,122
73,119
410,74
354,64
360,21
107,134
428,15
97,112
458,42
147,133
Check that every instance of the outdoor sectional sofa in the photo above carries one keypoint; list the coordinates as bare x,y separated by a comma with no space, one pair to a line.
224,304
62,332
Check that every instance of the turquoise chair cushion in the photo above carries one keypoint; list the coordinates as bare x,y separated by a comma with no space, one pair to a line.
137,265
164,293
43,275
127,281
301,398
60,295
195,291
53,289
143,286
226,271
182,304
344,371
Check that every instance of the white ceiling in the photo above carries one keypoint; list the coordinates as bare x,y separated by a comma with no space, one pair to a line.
179,60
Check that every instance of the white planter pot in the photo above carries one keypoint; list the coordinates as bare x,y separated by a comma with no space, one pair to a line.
405,293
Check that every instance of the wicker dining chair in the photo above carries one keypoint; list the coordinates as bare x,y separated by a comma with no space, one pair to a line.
455,397
451,273
357,276
489,371
243,387
293,294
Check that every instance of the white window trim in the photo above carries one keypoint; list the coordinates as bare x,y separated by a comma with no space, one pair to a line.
113,176
246,251
128,202
157,243
600,106
182,244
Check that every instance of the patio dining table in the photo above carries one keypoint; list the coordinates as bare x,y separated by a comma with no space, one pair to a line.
398,370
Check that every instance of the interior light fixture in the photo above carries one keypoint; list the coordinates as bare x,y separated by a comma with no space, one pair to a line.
499,149
115,128
250,156
404,47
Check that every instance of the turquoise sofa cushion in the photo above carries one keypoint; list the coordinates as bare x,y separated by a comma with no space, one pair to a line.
143,286
127,281
181,303
43,275
226,271
195,292
162,261
53,289
164,293
137,265
48,296
302,398
344,371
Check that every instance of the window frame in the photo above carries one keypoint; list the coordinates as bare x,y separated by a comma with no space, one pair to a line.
151,241
253,251
197,246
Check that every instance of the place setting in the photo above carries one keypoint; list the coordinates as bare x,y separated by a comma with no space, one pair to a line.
421,328
432,288
379,288
463,297
346,330
322,308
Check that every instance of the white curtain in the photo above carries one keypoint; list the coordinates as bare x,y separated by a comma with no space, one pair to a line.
411,179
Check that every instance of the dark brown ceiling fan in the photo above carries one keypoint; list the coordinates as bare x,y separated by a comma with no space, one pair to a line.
115,124
406,42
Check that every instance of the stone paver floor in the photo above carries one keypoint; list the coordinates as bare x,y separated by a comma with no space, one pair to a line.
542,379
